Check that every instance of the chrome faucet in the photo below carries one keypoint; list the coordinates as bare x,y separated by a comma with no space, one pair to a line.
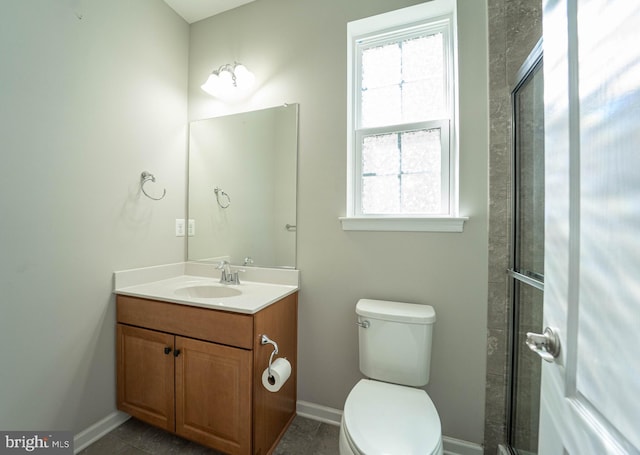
226,275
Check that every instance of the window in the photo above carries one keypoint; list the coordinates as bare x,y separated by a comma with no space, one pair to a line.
402,153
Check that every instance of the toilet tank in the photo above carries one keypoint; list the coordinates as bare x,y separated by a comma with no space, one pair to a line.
395,341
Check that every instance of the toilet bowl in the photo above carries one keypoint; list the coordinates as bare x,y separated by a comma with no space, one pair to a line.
386,414
382,418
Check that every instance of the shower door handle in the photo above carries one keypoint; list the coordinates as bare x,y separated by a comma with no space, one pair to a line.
546,345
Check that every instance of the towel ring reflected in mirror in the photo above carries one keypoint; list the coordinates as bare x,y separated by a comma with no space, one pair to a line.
220,194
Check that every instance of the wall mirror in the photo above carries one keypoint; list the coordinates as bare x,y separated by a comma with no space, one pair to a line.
242,188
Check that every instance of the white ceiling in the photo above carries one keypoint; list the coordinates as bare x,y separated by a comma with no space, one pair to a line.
195,10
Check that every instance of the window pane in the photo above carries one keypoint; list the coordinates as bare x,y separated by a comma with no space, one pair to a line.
381,106
403,82
420,193
423,78
423,58
414,101
380,155
416,54
401,173
380,194
421,151
422,100
381,66
421,167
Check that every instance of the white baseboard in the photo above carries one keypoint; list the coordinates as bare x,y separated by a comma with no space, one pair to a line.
454,446
90,435
318,412
333,416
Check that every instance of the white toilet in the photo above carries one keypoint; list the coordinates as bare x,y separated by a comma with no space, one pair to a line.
386,414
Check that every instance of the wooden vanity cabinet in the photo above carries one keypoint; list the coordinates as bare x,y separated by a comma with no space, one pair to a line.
197,372
213,395
146,375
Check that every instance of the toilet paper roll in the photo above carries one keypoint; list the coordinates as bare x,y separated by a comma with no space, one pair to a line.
280,372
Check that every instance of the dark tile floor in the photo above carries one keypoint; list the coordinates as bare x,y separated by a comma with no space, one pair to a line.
304,437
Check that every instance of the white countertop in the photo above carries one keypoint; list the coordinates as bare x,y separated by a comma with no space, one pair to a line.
162,282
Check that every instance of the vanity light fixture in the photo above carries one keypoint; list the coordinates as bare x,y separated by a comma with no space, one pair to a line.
229,81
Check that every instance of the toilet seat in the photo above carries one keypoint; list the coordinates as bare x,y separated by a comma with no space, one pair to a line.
383,418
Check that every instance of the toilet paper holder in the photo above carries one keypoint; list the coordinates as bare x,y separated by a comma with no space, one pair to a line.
266,340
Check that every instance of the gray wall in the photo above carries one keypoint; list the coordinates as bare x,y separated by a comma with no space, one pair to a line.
515,26
85,107
297,49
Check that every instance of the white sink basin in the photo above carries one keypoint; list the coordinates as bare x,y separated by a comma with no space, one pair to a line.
207,291
202,289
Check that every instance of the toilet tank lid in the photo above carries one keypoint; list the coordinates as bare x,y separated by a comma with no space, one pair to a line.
396,311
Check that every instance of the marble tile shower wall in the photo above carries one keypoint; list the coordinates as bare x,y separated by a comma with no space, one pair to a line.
515,26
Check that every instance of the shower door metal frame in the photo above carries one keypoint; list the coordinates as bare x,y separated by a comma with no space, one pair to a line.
530,65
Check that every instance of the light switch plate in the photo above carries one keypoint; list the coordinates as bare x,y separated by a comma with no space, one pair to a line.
180,227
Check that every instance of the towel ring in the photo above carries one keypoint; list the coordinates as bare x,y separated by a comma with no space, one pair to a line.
219,194
144,178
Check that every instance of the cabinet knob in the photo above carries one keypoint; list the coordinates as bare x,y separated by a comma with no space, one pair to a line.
167,350
176,353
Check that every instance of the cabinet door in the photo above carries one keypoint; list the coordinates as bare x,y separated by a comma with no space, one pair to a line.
213,395
145,375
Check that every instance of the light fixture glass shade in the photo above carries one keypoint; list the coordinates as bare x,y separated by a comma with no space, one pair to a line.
226,78
213,85
229,82
244,77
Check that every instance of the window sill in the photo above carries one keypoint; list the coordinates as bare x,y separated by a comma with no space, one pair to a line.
405,224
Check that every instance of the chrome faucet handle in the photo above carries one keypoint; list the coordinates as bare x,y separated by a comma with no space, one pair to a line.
228,276
225,269
237,273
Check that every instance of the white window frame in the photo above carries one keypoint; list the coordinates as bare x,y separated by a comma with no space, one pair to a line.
434,16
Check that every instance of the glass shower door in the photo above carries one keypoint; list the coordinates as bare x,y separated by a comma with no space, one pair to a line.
527,258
